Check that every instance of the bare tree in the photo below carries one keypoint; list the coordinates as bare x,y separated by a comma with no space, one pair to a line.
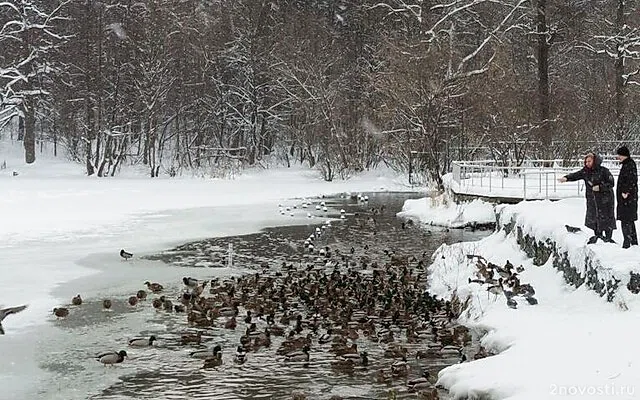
29,32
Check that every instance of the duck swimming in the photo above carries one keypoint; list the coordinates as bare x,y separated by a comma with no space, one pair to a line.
208,353
214,361
190,282
142,342
154,287
112,357
299,356
241,355
77,300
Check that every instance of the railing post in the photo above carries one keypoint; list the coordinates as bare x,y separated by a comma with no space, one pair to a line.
546,185
490,173
540,171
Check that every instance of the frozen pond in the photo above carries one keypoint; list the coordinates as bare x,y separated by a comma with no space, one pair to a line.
62,350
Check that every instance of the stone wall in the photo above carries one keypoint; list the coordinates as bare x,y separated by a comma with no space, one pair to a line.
587,271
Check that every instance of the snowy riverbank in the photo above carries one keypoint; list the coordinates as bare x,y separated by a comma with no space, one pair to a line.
574,342
443,211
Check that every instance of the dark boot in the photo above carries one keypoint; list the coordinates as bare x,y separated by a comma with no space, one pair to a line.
607,236
592,240
629,234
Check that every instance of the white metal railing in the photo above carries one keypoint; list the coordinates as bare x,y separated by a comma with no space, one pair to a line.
533,179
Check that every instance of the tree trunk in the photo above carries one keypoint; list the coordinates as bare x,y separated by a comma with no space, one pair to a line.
90,136
543,74
619,68
20,128
29,135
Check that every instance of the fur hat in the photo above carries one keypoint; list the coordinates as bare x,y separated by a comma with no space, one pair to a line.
623,151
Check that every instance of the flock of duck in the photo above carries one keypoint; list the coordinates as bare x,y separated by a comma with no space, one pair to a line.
326,301
507,282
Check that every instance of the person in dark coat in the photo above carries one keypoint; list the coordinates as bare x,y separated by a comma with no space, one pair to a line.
599,195
627,197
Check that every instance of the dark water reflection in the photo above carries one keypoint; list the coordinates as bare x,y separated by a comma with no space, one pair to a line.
166,371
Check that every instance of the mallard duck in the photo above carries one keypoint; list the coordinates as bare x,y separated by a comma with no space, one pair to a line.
125,254
326,337
154,287
190,282
231,323
214,361
451,351
209,353
106,303
179,308
241,355
263,339
188,337
111,358
142,295
61,312
133,300
353,349
157,303
481,353
382,377
425,378
362,358
142,342
299,356
77,300
229,311
496,289
11,310
399,368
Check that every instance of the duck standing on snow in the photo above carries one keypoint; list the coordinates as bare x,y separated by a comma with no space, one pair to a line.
126,255
112,357
6,311
60,312
142,342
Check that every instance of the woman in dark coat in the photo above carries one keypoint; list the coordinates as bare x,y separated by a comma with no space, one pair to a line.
627,197
599,195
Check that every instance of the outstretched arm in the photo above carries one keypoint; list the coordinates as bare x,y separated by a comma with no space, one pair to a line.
575,176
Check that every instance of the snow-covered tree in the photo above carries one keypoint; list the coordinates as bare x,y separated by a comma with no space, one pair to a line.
28,36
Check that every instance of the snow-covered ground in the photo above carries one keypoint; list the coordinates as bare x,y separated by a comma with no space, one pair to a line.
573,344
52,216
442,211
